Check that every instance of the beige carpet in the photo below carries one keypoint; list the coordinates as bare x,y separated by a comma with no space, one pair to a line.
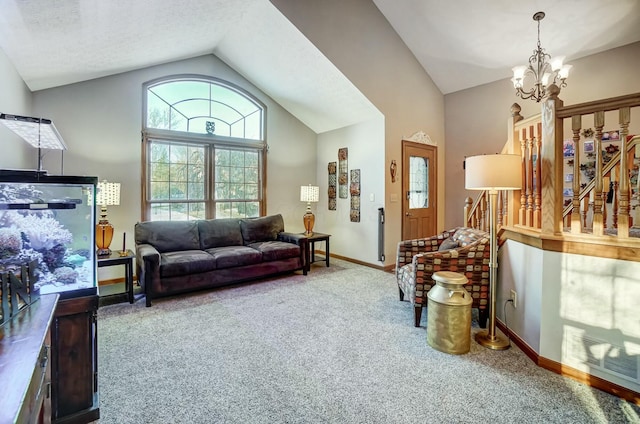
336,346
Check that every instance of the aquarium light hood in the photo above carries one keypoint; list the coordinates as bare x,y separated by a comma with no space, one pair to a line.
39,132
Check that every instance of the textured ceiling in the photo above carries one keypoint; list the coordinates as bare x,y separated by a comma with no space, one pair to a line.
461,44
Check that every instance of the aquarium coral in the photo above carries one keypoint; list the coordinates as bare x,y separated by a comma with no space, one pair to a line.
10,242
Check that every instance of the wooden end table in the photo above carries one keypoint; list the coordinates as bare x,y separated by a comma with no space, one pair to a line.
115,258
313,238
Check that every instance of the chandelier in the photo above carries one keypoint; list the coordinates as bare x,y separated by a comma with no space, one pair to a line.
542,69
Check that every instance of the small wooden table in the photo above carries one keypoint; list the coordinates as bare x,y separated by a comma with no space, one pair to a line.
115,258
313,238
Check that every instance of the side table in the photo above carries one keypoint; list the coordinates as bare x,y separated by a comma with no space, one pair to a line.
115,258
313,238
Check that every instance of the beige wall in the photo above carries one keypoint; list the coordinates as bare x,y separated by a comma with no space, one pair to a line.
15,99
359,41
101,121
476,119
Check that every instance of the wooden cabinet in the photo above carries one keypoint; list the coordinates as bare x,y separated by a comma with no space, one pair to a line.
75,361
25,368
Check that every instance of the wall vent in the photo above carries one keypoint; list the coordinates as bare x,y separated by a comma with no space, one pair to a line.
602,355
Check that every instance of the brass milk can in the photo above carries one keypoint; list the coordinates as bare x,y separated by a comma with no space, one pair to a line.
449,313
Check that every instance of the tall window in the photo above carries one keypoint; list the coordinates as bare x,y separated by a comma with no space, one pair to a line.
204,150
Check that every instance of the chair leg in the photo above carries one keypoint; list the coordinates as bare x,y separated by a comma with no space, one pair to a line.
483,316
401,294
417,311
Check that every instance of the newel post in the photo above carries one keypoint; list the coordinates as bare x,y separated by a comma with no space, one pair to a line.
468,202
551,164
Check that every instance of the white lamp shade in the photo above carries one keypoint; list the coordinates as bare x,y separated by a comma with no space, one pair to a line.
309,193
108,194
493,172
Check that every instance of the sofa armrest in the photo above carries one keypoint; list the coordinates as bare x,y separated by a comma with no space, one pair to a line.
302,241
292,237
148,268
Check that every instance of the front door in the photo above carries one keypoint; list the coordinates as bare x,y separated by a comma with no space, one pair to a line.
419,190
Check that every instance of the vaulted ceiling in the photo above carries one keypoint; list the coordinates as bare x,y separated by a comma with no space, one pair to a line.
460,44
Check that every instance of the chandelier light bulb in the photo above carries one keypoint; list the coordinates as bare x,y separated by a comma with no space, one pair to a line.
564,72
556,63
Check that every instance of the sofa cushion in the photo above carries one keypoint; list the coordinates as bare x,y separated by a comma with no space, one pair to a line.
168,236
219,232
185,262
265,228
276,250
232,256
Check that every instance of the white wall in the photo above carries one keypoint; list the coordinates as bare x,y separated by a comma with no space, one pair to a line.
365,141
476,119
519,270
101,122
14,100
565,298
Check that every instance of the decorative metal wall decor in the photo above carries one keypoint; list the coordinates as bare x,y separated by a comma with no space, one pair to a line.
332,185
354,189
343,176
393,168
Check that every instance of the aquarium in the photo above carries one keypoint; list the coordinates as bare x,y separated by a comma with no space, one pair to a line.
49,221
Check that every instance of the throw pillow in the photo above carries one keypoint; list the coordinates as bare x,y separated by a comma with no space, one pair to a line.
447,244
265,228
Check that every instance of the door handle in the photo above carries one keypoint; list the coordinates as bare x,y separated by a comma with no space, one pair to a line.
407,214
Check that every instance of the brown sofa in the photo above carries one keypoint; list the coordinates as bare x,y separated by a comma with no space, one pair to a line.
180,256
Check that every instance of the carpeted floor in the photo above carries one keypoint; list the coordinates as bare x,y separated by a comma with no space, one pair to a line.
335,346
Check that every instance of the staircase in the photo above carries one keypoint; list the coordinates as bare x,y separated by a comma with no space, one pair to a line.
579,173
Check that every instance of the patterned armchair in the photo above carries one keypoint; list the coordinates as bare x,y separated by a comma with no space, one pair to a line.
464,250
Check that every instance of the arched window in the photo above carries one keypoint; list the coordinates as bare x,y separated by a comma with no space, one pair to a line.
203,150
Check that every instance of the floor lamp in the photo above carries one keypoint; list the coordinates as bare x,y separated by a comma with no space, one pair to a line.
493,173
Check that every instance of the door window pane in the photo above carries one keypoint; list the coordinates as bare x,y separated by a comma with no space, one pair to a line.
418,182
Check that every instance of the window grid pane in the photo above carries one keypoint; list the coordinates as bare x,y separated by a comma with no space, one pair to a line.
179,186
188,105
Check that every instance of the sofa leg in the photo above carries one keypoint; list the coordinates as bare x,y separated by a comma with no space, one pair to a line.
417,310
401,294
483,316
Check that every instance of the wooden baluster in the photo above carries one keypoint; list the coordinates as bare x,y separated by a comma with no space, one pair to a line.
499,212
529,180
505,209
585,210
605,193
622,218
523,199
537,211
614,203
576,126
599,205
483,210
